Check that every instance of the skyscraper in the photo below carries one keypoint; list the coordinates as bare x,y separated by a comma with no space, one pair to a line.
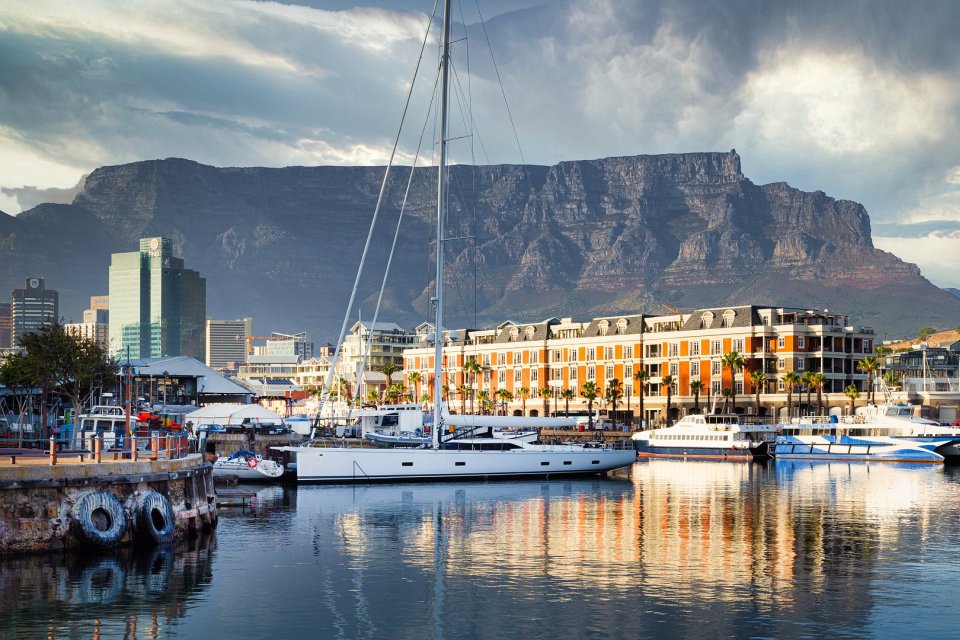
96,322
32,307
227,343
6,325
157,307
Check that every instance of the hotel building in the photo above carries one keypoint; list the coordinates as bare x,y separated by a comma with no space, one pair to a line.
548,357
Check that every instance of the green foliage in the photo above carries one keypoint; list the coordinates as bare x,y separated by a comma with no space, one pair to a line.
925,333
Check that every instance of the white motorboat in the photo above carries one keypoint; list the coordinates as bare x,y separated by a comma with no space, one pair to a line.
246,465
707,436
458,446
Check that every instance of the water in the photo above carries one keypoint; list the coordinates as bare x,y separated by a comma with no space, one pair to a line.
670,549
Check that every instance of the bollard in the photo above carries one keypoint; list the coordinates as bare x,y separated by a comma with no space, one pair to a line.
53,451
98,449
166,445
133,447
154,445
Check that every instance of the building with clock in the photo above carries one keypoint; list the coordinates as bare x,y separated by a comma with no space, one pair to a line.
32,307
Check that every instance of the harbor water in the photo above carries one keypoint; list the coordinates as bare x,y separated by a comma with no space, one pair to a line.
667,549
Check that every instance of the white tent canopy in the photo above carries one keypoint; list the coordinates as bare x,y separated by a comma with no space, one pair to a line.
226,414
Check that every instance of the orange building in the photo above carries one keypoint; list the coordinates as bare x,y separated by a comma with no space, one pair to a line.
528,368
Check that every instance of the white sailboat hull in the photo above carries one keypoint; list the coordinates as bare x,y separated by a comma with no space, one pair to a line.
380,465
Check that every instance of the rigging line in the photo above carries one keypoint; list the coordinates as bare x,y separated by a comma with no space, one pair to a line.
373,222
461,98
483,24
396,234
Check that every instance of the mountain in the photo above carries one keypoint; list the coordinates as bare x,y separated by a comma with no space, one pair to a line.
580,238
952,291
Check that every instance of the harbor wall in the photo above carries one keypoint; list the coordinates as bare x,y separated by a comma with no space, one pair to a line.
52,507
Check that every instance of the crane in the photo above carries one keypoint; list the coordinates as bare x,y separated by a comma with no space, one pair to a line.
671,309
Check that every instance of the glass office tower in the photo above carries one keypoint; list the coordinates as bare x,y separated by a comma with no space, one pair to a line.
157,307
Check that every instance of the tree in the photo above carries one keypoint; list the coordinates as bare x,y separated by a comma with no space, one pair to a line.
17,376
471,368
484,398
388,369
870,366
613,394
66,364
414,378
891,379
668,382
567,395
757,378
727,394
524,394
818,380
589,392
444,392
642,376
734,362
462,390
790,380
806,379
853,393
925,333
373,397
504,396
695,388
545,394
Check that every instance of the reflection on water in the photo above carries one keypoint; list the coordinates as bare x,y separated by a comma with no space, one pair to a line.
673,549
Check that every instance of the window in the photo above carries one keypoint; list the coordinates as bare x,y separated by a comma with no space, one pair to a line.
486,359
628,352
502,358
728,317
591,354
518,376
737,345
738,385
695,368
716,347
573,374
557,355
715,387
604,327
621,326
801,364
534,357
502,376
517,357
715,367
628,372
781,385
867,346
627,390
801,342
572,355
535,391
674,368
695,348
781,363
673,349
591,373
556,373
609,372
781,342
534,377
706,320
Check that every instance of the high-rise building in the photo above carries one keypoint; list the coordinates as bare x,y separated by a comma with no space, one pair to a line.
6,325
32,307
227,342
283,344
157,306
96,322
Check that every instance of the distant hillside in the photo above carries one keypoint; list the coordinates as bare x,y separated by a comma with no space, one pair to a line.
579,238
952,291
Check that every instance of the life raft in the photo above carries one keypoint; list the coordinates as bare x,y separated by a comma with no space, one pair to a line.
98,520
154,519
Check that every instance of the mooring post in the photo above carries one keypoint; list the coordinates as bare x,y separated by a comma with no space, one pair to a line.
53,451
98,448
133,447
154,445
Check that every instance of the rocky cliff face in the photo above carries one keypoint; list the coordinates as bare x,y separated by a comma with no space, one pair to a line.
578,238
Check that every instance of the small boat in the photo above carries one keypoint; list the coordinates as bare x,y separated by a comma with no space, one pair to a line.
246,465
707,436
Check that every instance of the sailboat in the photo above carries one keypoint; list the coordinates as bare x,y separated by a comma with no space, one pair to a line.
462,446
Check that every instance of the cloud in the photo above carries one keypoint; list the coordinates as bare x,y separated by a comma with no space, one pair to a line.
935,252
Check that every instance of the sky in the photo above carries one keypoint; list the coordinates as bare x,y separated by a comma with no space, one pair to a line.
858,98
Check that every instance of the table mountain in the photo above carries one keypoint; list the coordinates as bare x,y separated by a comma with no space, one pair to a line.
579,238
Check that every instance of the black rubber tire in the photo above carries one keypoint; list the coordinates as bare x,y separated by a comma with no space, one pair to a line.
98,520
155,523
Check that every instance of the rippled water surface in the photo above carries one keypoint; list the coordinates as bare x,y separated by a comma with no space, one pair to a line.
670,549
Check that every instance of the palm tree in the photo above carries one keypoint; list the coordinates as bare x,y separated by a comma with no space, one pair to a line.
641,376
757,378
484,398
614,393
727,394
734,362
589,391
444,391
567,395
818,379
462,390
853,393
806,379
695,388
471,367
388,369
545,394
373,396
870,366
790,380
504,396
415,378
524,394
668,381
891,379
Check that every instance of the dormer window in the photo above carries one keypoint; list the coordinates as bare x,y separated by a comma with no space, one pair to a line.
621,326
728,317
514,334
528,333
604,326
706,320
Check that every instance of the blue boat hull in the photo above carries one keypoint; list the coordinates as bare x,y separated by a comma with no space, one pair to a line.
848,448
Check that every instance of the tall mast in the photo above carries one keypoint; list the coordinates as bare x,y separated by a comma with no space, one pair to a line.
441,214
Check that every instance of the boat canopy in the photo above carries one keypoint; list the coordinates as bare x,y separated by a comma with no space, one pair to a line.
231,414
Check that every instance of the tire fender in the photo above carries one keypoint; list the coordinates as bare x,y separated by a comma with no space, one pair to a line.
154,519
98,520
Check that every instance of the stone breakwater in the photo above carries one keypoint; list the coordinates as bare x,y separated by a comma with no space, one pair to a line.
45,507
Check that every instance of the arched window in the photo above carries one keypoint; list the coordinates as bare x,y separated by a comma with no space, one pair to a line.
728,317
706,320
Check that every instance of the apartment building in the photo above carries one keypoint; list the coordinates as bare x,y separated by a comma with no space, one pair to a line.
546,358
